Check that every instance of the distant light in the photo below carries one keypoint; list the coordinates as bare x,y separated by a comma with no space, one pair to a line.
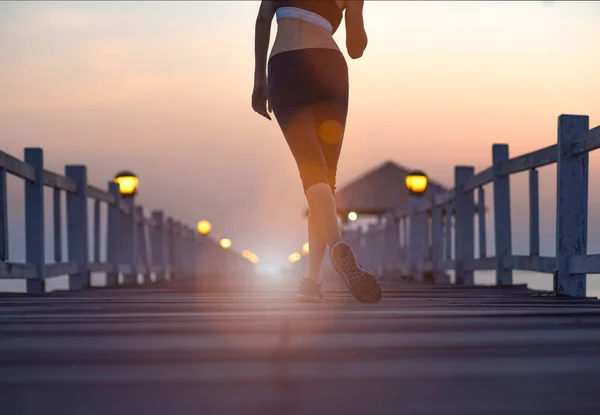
305,248
204,227
250,256
225,243
128,183
352,216
416,182
295,257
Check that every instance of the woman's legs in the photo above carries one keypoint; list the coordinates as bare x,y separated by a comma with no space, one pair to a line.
323,228
317,246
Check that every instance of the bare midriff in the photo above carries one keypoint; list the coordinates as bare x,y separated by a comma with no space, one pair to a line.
293,34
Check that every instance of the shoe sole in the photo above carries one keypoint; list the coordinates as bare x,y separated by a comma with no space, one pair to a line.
307,299
364,288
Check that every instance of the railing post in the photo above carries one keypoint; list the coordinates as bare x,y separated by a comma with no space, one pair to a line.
77,227
437,241
3,217
392,243
371,248
534,214
96,231
171,249
130,242
422,227
464,229
57,216
113,240
571,205
413,238
159,247
142,243
502,222
448,229
481,222
34,221
186,240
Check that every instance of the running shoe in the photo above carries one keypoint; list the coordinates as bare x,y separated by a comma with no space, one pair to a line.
309,290
363,285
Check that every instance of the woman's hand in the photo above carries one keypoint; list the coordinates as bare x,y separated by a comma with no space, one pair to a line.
260,99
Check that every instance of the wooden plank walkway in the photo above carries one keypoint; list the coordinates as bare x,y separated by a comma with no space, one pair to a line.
167,349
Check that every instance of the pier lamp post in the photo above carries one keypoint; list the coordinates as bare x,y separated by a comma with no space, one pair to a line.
128,183
416,183
204,227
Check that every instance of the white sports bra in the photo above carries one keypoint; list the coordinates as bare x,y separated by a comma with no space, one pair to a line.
304,15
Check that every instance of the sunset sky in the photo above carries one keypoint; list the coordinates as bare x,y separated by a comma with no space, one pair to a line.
163,89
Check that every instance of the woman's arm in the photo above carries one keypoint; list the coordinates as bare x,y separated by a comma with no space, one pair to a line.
262,33
356,36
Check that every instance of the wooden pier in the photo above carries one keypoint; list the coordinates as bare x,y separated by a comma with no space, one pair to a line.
169,349
182,328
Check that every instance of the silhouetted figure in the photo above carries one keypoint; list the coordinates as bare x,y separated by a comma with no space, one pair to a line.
307,90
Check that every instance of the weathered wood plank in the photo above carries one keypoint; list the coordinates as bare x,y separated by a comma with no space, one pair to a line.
57,181
101,267
77,228
531,263
480,179
477,264
12,271
464,231
447,265
583,264
444,198
34,220
535,159
502,220
99,194
17,167
587,141
126,269
571,205
61,268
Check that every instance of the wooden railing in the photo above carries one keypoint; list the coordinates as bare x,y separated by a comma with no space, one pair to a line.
418,240
156,246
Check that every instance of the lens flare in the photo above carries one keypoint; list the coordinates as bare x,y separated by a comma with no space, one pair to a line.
331,131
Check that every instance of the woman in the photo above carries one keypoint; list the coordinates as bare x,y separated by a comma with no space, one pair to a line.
307,90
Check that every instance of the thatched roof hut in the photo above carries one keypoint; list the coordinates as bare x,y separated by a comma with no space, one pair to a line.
378,190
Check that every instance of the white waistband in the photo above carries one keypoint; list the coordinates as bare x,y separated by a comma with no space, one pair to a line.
304,15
